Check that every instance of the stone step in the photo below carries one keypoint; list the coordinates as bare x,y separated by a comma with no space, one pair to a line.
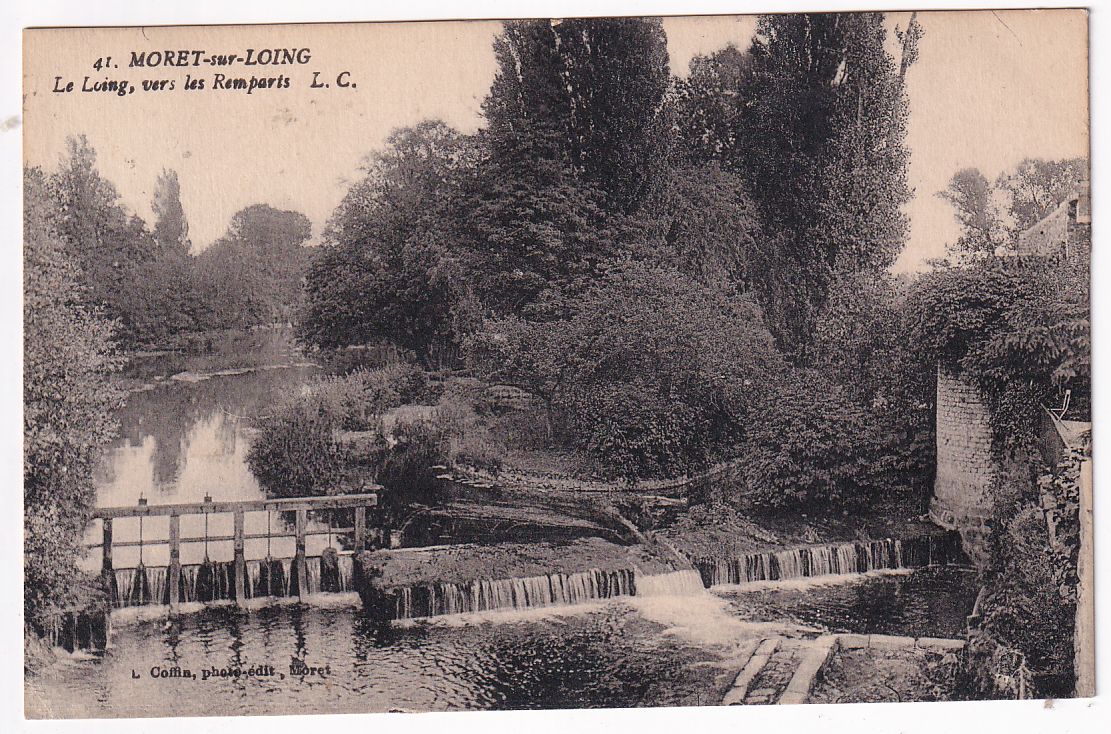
775,674
737,694
812,658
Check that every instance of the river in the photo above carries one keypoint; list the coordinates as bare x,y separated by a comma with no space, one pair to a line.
183,438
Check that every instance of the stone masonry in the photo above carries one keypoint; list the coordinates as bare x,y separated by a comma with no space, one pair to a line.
966,468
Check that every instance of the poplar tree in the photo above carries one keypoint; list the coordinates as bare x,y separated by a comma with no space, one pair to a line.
171,229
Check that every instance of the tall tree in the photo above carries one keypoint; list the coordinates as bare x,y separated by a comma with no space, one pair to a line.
171,229
1036,186
108,243
574,142
707,115
386,269
814,119
615,71
982,228
253,273
67,401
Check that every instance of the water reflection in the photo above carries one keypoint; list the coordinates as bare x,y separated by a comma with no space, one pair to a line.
604,657
181,439
931,602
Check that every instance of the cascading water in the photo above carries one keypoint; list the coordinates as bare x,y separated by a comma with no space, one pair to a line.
829,560
676,583
431,600
215,581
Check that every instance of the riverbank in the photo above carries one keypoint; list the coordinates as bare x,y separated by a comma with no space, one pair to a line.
721,531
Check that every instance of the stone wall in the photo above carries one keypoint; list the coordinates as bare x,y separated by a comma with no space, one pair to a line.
966,468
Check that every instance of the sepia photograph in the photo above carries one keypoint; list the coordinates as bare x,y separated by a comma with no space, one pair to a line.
557,363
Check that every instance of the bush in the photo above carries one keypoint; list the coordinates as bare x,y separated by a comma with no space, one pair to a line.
407,471
652,376
812,447
297,453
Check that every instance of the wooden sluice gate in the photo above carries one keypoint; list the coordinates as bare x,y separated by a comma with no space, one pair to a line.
297,576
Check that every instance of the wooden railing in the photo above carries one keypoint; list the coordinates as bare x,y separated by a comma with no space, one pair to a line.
300,505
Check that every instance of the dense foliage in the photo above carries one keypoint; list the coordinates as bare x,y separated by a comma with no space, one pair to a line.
654,374
811,447
386,271
67,401
1018,329
1024,646
146,279
813,117
298,451
252,275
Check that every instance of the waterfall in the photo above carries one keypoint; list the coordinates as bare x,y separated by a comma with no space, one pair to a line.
215,581
480,595
676,583
828,560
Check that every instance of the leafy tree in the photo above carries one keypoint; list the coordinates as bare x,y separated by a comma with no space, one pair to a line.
144,280
972,197
1035,187
813,118
703,220
615,71
586,93
530,355
707,115
533,233
574,141
171,229
105,240
387,269
253,274
67,400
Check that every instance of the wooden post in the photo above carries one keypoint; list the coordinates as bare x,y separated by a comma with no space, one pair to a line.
240,560
360,528
299,559
175,561
106,562
106,547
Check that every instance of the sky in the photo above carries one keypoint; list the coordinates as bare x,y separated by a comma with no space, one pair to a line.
989,89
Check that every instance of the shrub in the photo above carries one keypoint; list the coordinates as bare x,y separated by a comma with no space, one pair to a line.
652,376
297,453
407,471
813,446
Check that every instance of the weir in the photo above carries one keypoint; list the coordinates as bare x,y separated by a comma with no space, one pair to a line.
482,595
239,579
827,560
560,589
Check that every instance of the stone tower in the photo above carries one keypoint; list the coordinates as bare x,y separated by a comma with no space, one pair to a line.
966,467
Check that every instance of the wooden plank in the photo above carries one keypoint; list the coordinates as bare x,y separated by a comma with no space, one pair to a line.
240,561
274,505
175,561
360,528
223,538
299,558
